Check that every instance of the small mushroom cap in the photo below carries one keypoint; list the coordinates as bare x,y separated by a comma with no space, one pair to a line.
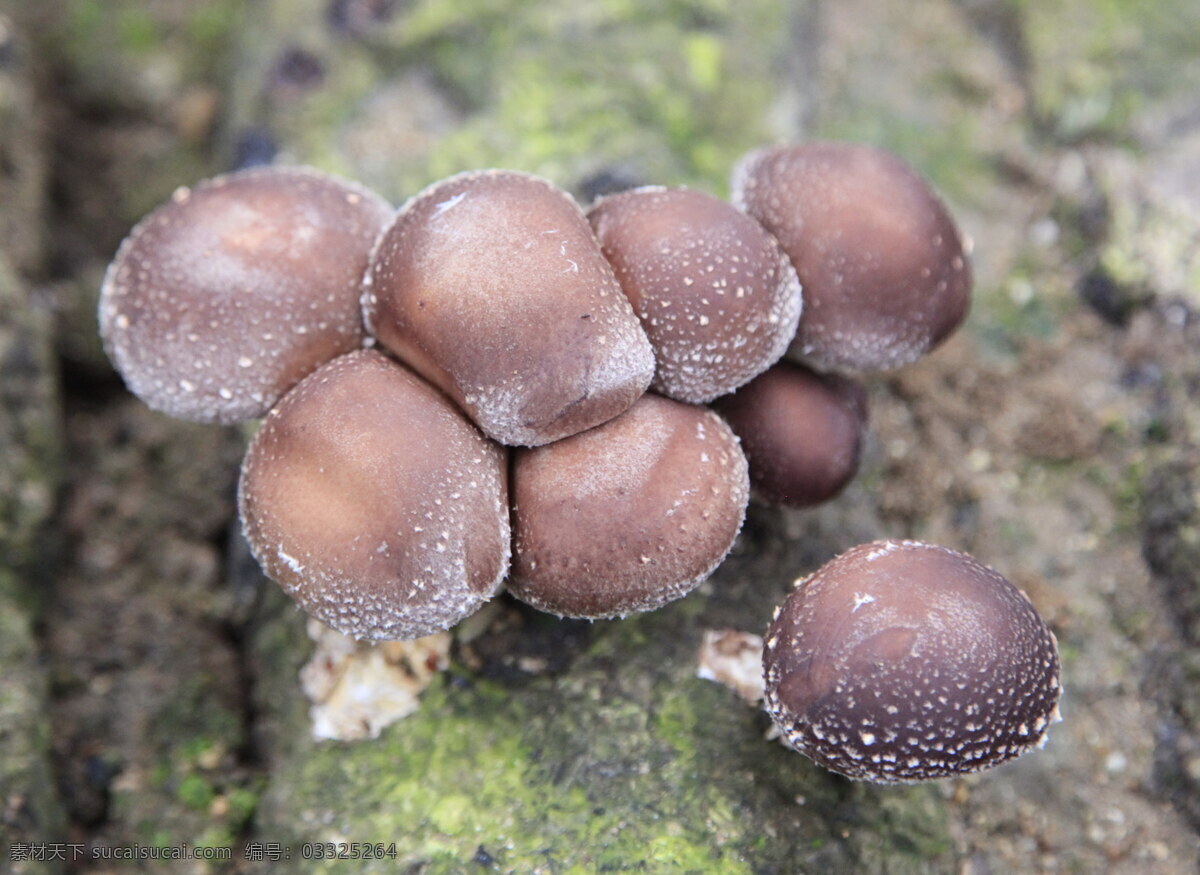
717,297
228,294
884,273
629,515
492,286
900,661
801,432
374,503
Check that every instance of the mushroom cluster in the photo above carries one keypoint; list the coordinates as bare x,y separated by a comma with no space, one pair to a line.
492,388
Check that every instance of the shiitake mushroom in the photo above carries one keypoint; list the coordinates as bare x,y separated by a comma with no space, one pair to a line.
716,295
629,515
374,503
802,432
492,286
231,292
899,661
884,270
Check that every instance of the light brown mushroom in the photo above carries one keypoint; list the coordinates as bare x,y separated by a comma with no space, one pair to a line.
900,661
228,294
374,503
883,267
492,286
629,515
717,297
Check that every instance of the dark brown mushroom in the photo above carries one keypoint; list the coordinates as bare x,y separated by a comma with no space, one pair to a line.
716,295
629,515
227,295
492,286
801,432
900,661
374,503
883,268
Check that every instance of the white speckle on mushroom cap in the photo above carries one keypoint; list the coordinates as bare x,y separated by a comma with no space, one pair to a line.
899,661
629,515
492,286
884,271
228,294
375,503
717,297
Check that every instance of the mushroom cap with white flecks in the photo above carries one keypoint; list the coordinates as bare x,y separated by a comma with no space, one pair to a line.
373,502
883,266
899,661
492,286
717,297
628,515
233,290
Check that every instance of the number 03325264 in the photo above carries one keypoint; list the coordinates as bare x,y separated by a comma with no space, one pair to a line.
348,851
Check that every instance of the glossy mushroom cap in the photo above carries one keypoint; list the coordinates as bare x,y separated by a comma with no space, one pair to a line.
374,503
900,661
716,295
801,431
492,286
884,273
627,516
227,295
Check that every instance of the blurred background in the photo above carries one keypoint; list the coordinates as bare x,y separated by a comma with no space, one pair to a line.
149,691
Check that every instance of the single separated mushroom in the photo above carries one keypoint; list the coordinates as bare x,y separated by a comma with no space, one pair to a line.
230,293
717,297
492,286
899,661
629,515
801,431
374,503
884,272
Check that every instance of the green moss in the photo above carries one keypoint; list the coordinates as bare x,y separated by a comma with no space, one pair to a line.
628,762
1126,495
1151,248
242,803
1121,54
195,792
111,40
1005,320
84,17
674,91
210,24
650,97
443,787
705,56
899,840
137,31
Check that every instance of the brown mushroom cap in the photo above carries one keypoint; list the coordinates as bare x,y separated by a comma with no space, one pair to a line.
884,273
801,432
374,502
717,297
629,515
228,294
900,661
491,285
